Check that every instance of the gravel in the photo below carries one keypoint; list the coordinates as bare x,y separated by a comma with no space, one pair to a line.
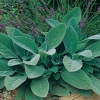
7,95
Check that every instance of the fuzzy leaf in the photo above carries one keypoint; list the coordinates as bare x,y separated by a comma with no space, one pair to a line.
77,79
95,84
73,22
21,92
50,52
72,65
5,70
71,40
33,61
11,31
14,62
12,83
30,96
53,22
69,87
34,71
59,90
26,43
55,36
75,12
6,47
40,87
2,82
95,49
85,93
54,69
86,53
88,68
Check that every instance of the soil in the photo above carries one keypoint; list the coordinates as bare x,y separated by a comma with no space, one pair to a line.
7,95
10,95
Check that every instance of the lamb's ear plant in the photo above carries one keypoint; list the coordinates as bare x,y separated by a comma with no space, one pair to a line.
61,62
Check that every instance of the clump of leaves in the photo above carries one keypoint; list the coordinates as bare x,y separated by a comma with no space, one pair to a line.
60,62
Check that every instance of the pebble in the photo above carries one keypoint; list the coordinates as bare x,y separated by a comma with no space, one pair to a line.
7,95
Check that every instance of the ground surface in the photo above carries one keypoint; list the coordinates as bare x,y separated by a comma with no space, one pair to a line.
10,95
78,97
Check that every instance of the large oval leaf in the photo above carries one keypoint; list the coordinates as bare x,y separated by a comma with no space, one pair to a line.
73,22
75,12
53,22
77,79
6,47
34,71
2,82
30,96
59,90
69,87
40,87
71,40
11,31
21,92
13,82
95,84
5,70
72,65
26,43
15,32
95,49
85,93
55,36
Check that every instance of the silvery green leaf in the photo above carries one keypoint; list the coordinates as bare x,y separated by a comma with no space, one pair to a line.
33,61
72,65
12,83
53,22
49,52
75,12
14,62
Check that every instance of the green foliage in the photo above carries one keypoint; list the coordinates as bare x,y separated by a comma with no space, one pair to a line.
62,61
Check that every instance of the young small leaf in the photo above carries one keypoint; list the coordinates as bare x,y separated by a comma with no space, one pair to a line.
71,40
55,36
40,87
56,76
72,65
